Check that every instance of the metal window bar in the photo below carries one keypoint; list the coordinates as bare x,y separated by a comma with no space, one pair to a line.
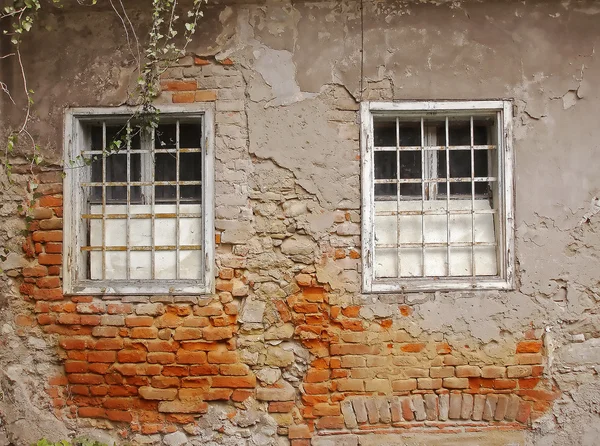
472,198
423,196
433,244
138,151
103,198
434,148
447,197
127,221
141,248
398,252
152,204
177,190
434,212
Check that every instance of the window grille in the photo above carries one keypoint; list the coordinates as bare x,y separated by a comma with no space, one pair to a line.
437,195
142,214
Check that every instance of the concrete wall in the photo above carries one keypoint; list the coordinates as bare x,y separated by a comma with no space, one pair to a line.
290,351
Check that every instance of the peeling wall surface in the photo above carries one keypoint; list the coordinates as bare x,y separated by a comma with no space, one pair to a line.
288,351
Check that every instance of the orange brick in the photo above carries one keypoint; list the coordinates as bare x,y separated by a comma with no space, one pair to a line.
222,357
529,346
109,344
35,271
191,357
144,333
119,308
48,282
234,382
50,201
102,356
91,412
351,311
47,236
160,358
316,376
119,415
205,96
48,294
183,98
178,85
131,356
68,319
53,248
139,321
239,395
201,61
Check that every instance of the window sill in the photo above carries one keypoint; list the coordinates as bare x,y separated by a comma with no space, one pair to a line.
139,287
430,284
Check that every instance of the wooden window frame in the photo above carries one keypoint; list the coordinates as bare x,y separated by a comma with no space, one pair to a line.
75,268
504,280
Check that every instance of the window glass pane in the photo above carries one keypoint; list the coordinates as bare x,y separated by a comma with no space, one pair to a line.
165,136
385,168
384,132
190,135
165,170
190,169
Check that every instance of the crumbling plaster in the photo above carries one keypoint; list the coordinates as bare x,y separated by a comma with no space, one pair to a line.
296,60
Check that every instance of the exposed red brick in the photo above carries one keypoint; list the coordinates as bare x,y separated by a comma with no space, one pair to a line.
234,381
47,236
529,346
178,85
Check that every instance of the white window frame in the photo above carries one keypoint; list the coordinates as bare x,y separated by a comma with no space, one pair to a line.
505,240
75,281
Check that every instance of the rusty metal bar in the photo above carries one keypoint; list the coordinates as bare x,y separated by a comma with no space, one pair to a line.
142,248
142,183
103,199
433,148
127,220
177,192
452,212
398,252
447,198
472,200
138,216
142,151
152,203
423,197
437,180
432,244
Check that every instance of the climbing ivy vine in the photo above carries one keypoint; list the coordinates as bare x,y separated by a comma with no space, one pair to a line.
172,28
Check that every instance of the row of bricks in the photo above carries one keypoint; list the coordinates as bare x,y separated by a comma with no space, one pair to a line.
408,385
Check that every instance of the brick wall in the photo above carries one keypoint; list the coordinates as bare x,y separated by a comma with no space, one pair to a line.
286,328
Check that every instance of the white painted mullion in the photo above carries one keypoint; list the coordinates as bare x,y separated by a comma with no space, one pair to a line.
472,198
447,153
177,203
368,195
423,195
104,155
398,251
507,174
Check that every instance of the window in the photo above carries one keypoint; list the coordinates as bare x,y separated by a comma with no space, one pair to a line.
437,196
139,220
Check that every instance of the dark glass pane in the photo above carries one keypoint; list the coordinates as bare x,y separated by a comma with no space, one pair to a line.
116,171
190,136
165,136
190,169
165,170
384,134
410,168
385,168
410,133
